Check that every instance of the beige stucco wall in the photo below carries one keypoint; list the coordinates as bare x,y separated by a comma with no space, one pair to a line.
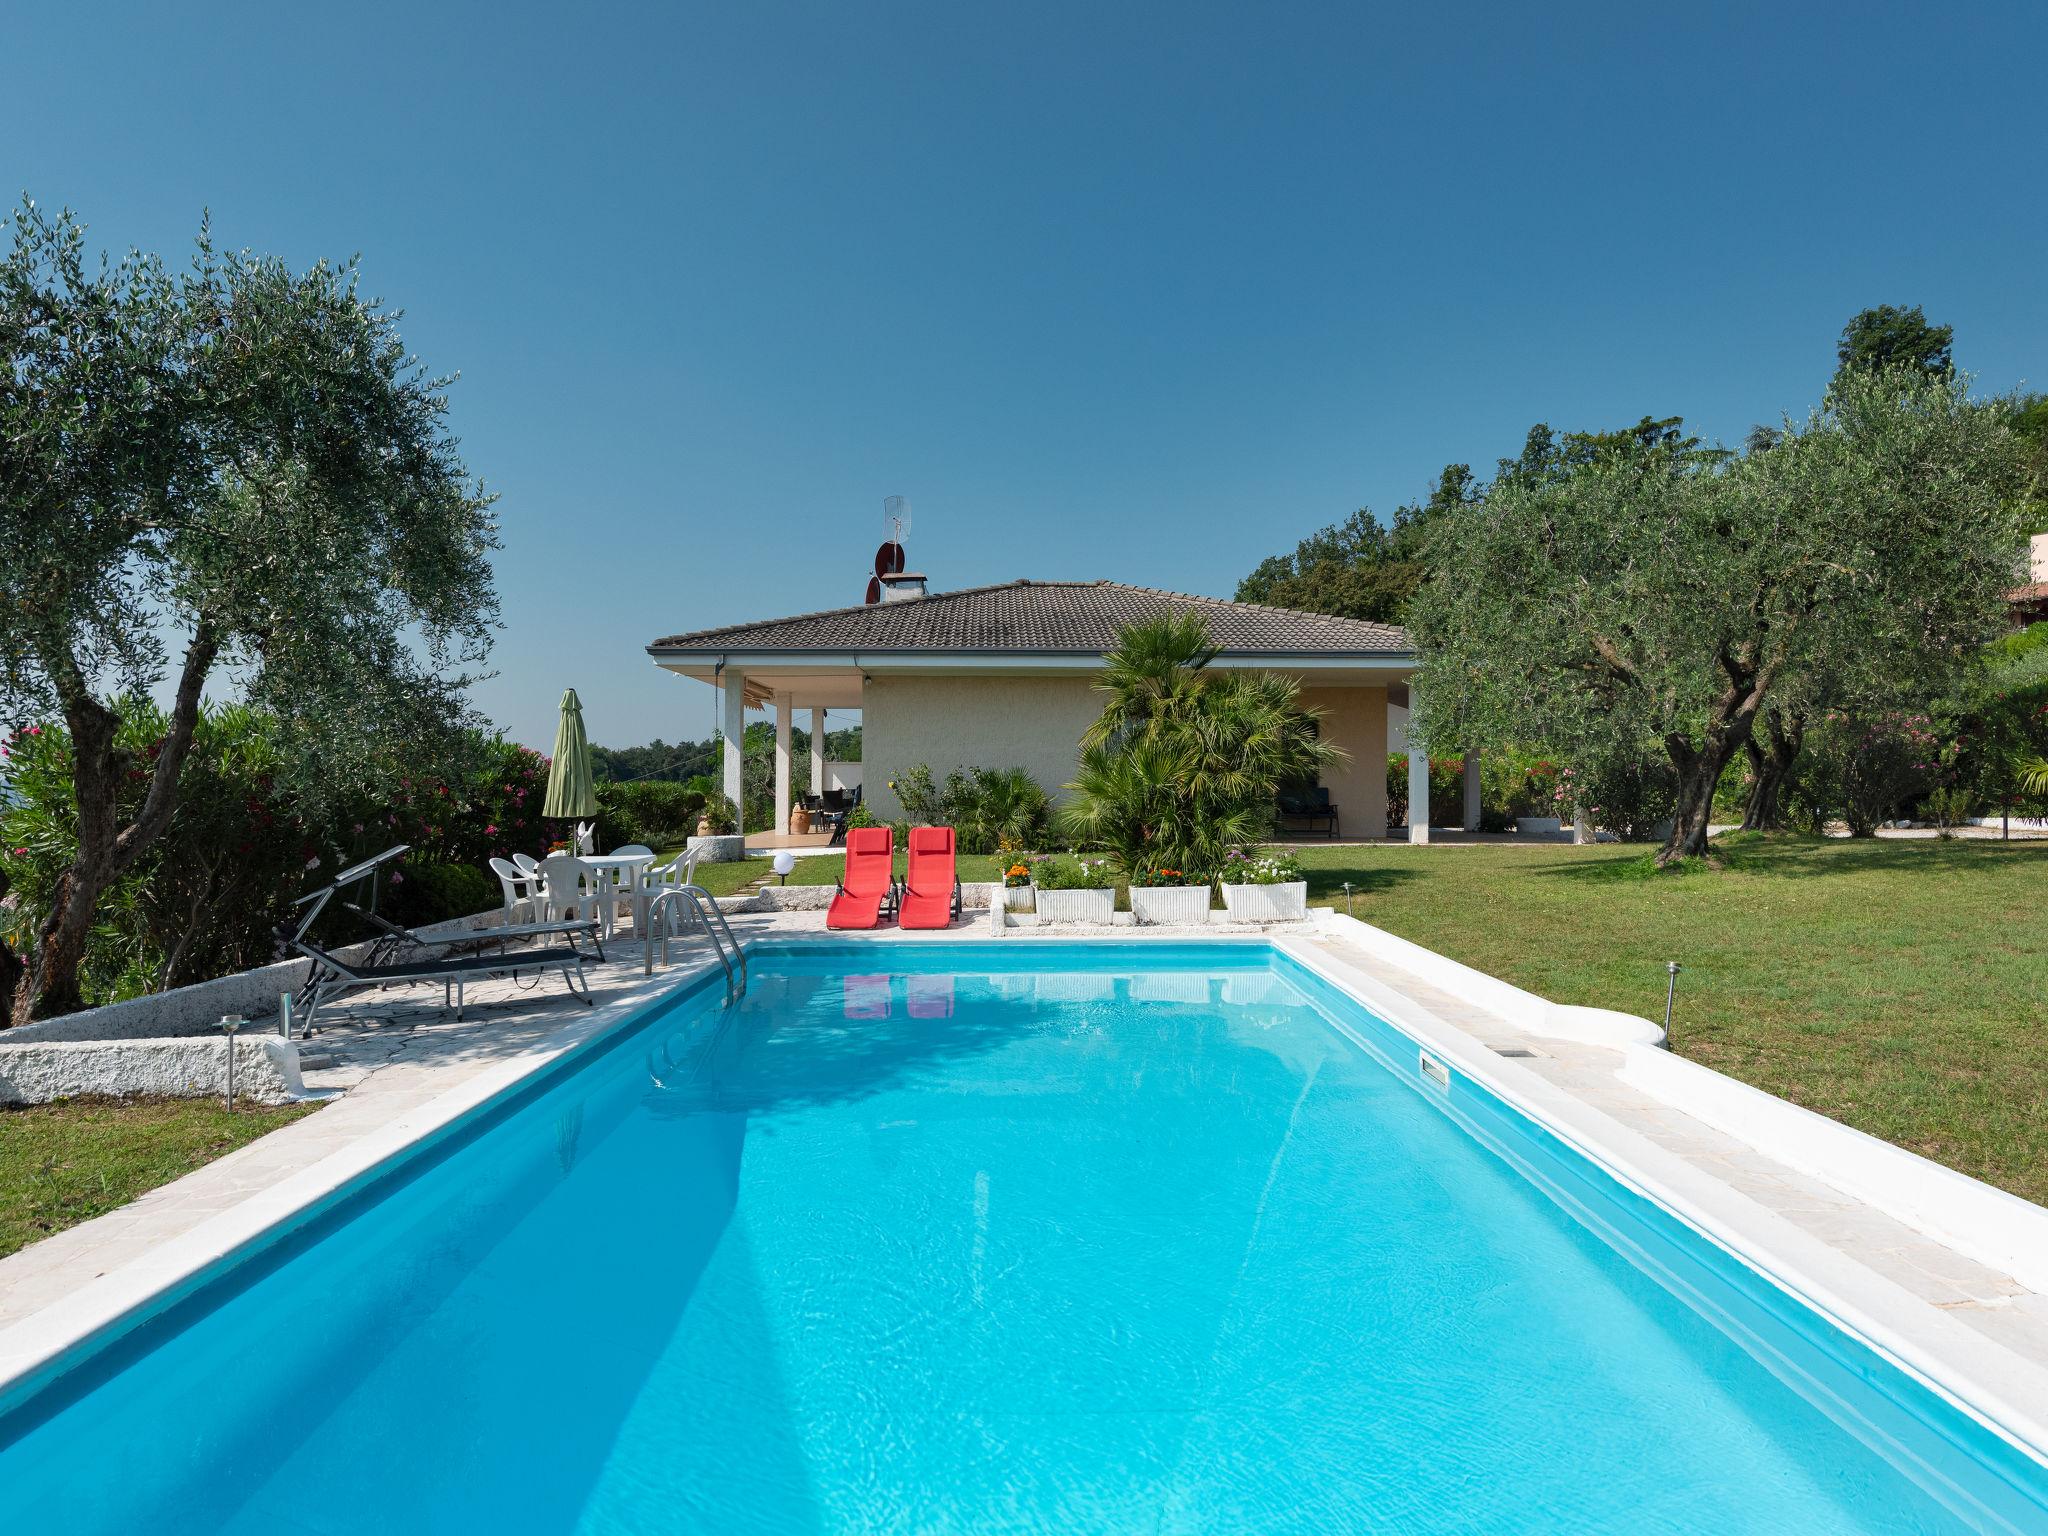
1033,723
1356,720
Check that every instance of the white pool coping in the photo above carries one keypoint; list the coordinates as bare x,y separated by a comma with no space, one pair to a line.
1995,1385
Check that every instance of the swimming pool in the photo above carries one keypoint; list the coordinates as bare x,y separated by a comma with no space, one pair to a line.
1006,1236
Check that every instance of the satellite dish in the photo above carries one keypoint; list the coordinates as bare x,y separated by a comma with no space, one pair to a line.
874,589
888,559
896,515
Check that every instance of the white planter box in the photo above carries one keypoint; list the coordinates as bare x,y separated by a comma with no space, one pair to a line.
1176,904
1266,903
1016,898
1087,906
1532,826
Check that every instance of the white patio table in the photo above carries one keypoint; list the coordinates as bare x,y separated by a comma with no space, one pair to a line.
627,871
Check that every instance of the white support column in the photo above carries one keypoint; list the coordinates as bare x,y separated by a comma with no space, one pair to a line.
1418,787
785,713
732,724
1471,789
817,751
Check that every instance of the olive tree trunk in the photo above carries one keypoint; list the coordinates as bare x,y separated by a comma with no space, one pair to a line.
1770,766
48,983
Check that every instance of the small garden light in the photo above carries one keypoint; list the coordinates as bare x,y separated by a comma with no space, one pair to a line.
1670,996
231,1022
1347,898
785,861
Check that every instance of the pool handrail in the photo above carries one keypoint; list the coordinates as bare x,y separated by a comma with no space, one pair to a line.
704,907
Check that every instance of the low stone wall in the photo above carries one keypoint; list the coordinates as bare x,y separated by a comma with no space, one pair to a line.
717,848
266,1069
198,1008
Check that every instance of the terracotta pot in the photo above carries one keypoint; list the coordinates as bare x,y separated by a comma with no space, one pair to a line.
703,826
799,821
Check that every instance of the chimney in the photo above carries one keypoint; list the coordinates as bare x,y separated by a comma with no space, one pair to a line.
901,585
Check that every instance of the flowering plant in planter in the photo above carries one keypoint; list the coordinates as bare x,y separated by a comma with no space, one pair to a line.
1241,868
1069,872
1164,894
1262,888
1014,870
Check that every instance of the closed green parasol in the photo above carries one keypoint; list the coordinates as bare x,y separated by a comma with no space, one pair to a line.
571,792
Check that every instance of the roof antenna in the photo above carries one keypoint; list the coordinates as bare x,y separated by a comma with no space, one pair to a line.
889,558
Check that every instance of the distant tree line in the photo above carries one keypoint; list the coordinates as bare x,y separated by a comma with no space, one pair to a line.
679,762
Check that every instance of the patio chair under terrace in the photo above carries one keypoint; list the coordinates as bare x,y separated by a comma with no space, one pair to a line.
1310,808
837,814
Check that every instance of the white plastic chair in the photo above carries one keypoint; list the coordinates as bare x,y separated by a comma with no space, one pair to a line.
678,871
571,887
622,883
528,864
514,882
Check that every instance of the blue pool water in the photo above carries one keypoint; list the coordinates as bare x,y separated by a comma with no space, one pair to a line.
1005,1238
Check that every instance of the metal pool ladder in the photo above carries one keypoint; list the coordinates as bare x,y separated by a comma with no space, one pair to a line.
703,906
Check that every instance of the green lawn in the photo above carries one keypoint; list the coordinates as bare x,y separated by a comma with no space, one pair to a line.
1899,986
816,869
64,1163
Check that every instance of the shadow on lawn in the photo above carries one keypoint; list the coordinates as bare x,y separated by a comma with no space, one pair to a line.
1326,881
1795,856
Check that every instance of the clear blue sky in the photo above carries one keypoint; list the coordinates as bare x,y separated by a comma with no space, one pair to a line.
1145,293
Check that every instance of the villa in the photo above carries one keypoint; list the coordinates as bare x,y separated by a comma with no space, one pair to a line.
1002,676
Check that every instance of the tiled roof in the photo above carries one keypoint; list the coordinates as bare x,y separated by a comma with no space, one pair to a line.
1076,617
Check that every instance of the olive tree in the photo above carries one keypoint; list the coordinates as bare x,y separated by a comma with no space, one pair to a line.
234,475
1658,595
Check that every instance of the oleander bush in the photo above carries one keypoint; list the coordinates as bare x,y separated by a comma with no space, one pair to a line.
205,900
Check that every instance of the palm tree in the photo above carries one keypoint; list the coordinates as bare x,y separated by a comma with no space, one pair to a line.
1125,799
1185,762
1151,676
1006,803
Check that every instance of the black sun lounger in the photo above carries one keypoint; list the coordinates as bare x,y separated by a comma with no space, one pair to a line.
392,940
333,976
400,957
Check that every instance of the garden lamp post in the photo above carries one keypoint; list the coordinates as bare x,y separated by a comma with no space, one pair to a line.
231,1023
1670,996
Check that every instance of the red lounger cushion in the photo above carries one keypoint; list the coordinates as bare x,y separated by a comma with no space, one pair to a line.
853,910
870,872
928,891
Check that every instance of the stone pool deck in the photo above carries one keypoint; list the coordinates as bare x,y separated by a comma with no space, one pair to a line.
398,1069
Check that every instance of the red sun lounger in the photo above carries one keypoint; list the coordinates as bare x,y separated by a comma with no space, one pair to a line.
931,892
868,888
